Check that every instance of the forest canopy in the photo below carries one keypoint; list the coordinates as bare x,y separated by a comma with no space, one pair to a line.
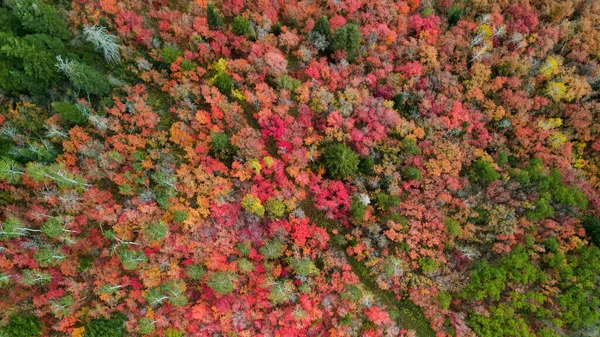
299,168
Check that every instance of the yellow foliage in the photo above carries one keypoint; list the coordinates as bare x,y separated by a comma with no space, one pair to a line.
78,332
557,139
254,165
485,30
550,66
238,95
556,90
550,123
220,65
268,161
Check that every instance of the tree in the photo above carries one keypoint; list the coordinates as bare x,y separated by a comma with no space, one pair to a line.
241,26
215,20
592,229
347,38
22,326
103,42
483,172
102,327
253,205
38,17
341,162
70,113
221,282
83,77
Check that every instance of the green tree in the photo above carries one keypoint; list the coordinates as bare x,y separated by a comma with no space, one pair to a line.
70,113
272,249
592,229
275,208
347,38
83,77
38,17
341,162
483,172
22,326
214,18
221,282
102,327
241,26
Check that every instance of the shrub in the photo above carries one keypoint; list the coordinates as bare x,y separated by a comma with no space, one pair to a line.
341,162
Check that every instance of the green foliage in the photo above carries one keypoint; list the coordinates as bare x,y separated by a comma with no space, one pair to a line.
35,277
195,271
219,141
387,201
245,266
146,326
131,258
486,282
157,231
288,82
214,18
70,113
187,65
22,326
223,82
281,292
453,227
322,26
455,13
341,162
12,228
241,26
170,54
347,38
244,248
275,208
47,257
38,17
352,292
172,332
221,282
409,146
84,78
102,327
357,209
482,172
392,266
366,165
411,173
444,299
428,264
253,205
303,267
502,321
272,249
10,171
592,229
180,216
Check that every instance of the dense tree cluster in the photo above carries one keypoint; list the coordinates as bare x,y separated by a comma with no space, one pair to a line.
299,168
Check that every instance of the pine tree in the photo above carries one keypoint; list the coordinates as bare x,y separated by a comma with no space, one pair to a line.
341,162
